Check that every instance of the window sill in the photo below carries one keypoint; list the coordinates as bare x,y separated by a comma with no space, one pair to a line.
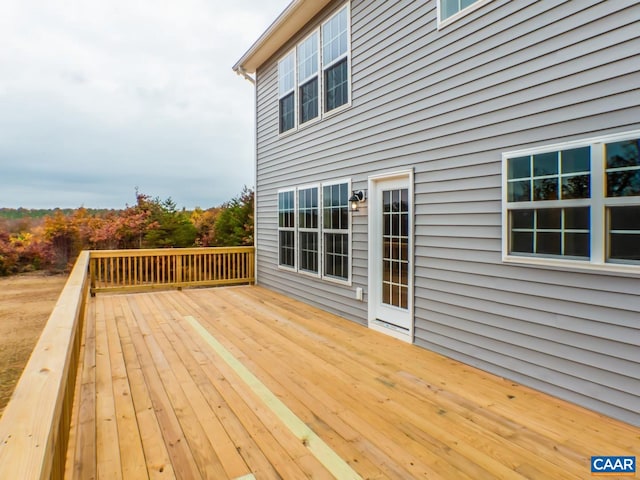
288,133
308,273
346,283
309,123
287,269
575,266
336,110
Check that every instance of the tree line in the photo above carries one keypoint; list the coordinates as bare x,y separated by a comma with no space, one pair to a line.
51,240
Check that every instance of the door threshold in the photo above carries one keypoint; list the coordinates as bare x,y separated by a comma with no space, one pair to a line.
391,330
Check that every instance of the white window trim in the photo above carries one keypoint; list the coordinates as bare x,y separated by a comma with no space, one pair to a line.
598,203
288,229
328,278
317,230
458,15
300,82
339,109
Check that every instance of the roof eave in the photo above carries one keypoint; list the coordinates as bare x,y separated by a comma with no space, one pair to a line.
294,18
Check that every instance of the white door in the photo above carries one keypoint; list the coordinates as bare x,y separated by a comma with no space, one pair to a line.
391,255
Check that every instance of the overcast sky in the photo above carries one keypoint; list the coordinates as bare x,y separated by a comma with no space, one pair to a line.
98,97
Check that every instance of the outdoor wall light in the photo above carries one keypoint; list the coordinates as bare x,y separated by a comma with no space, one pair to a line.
355,199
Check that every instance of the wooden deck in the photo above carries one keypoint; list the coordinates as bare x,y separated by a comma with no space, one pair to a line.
241,382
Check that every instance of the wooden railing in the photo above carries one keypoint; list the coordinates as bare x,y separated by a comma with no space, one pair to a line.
128,270
34,428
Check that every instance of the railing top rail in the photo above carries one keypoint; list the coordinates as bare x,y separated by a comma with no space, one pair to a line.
166,251
29,426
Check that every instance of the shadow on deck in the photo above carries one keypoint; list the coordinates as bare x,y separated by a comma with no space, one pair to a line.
241,381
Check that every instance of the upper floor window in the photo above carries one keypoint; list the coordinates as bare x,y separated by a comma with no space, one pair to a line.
318,67
286,89
335,53
578,202
308,96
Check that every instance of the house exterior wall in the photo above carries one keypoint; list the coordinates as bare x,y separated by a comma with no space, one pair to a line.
447,103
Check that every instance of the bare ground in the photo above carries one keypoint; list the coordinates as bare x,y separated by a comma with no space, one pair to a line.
26,301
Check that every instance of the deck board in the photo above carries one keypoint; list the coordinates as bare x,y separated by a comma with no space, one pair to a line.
156,401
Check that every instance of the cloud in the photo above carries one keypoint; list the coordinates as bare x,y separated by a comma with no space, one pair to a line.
98,97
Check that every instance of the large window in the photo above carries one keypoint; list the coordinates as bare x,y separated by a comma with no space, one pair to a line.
322,230
335,52
578,202
318,67
286,229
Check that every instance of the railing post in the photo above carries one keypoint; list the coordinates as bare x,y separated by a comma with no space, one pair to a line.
92,276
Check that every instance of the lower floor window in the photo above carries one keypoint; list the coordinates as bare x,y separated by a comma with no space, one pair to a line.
313,230
579,201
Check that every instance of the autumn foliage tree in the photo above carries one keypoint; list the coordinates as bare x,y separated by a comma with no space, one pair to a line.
234,224
55,241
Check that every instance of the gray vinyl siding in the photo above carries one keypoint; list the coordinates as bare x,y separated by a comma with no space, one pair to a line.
447,103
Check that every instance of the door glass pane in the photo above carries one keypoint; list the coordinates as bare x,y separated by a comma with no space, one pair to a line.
395,247
403,297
